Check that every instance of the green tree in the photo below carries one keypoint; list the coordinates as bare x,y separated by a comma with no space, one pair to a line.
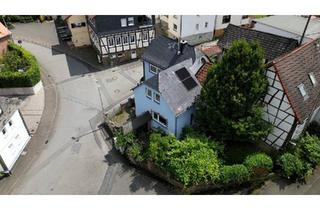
230,101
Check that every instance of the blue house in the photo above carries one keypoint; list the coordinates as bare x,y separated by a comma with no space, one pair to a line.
171,86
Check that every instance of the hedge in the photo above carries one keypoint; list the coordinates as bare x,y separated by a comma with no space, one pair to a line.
13,78
292,167
234,174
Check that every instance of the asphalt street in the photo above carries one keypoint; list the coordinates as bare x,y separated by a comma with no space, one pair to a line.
73,158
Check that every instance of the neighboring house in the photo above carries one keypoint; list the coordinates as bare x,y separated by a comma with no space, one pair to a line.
77,25
197,29
222,22
14,134
5,35
171,85
120,38
293,97
193,28
272,45
290,26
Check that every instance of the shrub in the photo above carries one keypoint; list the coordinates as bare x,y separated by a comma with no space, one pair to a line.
11,78
308,148
234,174
135,151
293,167
259,163
123,141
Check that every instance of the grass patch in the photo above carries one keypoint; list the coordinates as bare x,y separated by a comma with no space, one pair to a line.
123,116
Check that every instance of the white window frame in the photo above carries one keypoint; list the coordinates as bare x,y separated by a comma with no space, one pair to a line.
110,39
155,94
130,21
123,22
153,71
312,79
118,38
148,90
134,38
303,91
157,119
125,37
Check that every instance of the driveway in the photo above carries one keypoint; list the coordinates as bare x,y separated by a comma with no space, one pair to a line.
76,159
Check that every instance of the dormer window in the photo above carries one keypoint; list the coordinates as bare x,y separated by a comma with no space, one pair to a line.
123,22
312,78
303,91
153,69
130,21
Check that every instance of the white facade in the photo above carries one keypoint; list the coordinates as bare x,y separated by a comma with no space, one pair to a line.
14,137
237,20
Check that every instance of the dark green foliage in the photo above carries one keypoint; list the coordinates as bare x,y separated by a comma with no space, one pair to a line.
191,161
135,151
234,174
235,152
10,78
124,140
259,163
18,18
292,167
314,129
308,148
229,105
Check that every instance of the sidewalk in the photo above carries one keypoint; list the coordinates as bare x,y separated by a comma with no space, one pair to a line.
281,186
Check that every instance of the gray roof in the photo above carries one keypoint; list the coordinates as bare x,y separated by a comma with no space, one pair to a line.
162,52
272,45
8,107
106,24
293,24
172,90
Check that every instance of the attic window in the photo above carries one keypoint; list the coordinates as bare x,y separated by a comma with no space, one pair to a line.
123,22
303,91
312,78
130,21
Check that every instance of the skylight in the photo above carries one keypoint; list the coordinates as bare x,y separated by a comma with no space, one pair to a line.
303,91
313,78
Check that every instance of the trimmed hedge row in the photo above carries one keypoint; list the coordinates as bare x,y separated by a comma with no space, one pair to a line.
14,79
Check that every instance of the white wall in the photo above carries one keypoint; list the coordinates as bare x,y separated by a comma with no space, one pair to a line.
14,140
189,23
235,20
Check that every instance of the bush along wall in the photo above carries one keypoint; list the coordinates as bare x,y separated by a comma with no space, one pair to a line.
12,78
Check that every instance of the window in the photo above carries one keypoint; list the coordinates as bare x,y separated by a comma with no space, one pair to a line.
175,27
110,41
148,93
130,21
123,22
10,123
77,25
125,40
156,97
226,19
145,36
313,79
206,24
119,55
160,119
245,16
303,91
197,26
153,69
132,38
4,131
118,40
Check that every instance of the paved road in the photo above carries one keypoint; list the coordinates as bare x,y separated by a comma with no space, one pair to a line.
72,159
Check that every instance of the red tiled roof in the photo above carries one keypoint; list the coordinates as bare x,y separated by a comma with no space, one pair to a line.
213,50
293,69
202,73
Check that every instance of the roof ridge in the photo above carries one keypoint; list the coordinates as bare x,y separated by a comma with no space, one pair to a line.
277,60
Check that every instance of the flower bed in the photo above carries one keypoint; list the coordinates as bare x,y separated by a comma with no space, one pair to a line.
20,68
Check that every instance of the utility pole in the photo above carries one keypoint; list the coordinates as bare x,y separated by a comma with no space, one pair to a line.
305,29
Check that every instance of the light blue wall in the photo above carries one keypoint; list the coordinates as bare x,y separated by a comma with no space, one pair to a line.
143,104
147,72
184,119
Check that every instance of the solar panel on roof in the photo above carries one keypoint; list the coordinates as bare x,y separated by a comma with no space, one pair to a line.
182,74
189,83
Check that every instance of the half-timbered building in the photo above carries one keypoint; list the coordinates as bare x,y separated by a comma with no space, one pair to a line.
293,98
120,38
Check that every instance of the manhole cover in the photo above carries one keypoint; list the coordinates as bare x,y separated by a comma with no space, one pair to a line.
116,91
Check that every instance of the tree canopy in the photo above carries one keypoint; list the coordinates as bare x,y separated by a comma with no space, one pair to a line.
230,101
